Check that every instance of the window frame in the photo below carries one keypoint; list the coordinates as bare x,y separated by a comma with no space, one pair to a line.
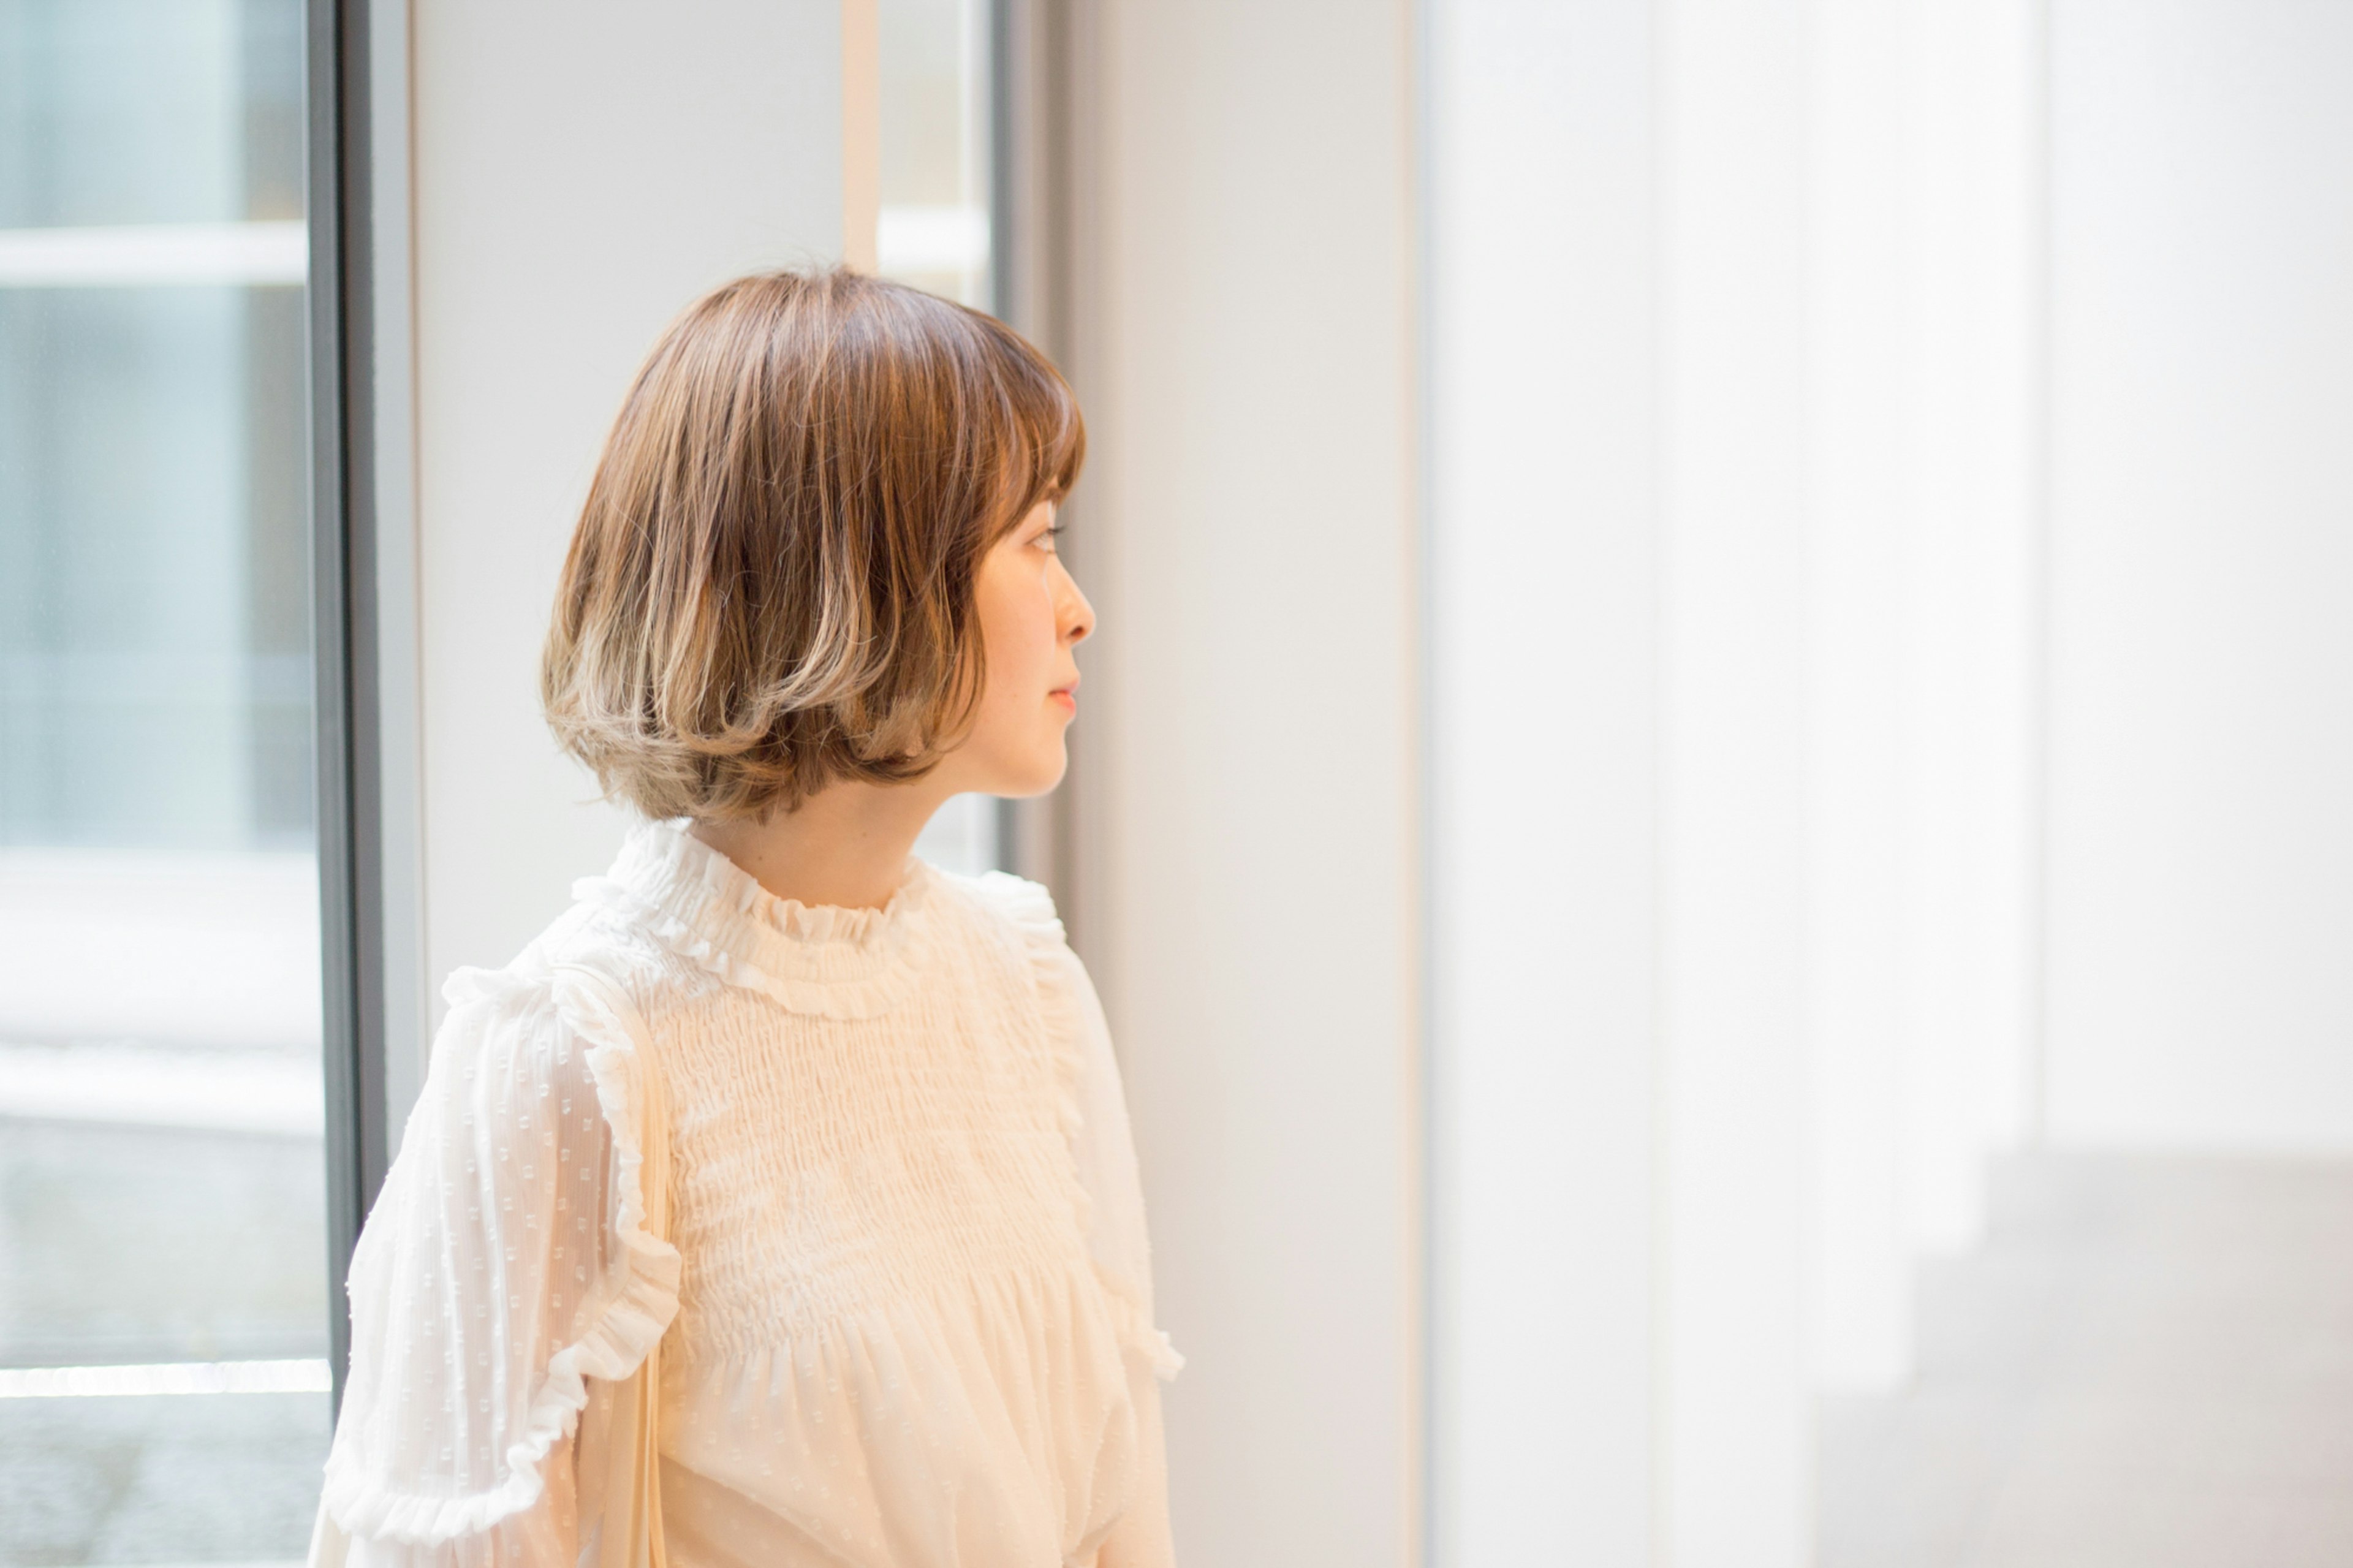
348,759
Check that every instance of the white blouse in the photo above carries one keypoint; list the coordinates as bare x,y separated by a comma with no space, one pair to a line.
904,1307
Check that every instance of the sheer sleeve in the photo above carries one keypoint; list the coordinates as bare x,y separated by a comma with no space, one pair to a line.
505,1265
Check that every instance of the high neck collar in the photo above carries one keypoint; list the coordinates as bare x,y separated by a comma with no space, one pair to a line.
811,958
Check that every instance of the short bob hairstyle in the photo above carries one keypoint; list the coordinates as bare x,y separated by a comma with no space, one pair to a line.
771,585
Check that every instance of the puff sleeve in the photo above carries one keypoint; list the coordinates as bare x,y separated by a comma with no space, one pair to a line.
506,1264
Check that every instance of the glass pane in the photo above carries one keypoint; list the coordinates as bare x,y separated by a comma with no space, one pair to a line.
162,1302
933,233
933,229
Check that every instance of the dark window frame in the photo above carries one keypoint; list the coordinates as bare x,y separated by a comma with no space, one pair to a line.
346,727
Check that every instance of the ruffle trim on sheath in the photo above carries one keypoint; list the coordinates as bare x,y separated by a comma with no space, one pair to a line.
821,960
617,1338
1030,907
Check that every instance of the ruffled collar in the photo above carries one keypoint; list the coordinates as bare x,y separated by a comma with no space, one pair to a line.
822,958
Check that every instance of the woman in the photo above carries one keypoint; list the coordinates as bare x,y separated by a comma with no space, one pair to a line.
777,1204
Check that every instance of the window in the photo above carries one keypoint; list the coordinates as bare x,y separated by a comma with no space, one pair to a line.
163,1325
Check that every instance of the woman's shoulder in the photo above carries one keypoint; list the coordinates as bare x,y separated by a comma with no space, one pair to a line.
1020,915
1015,902
568,1008
562,1023
1012,913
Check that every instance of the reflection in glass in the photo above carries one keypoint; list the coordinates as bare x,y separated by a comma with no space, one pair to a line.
161,1227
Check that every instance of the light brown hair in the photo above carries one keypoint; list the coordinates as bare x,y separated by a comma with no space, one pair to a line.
771,585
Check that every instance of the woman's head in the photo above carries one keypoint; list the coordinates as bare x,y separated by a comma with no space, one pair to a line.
818,548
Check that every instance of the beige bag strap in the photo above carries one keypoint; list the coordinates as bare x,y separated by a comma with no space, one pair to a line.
638,1542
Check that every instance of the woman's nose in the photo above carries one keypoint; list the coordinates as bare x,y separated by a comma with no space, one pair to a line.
1077,616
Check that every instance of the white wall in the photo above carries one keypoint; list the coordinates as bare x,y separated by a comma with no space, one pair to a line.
581,172
1246,751
1973,591
1922,370
1732,376
1544,561
1734,1447
1858,451
2201,663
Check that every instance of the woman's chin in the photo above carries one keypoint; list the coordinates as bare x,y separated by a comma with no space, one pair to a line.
1036,775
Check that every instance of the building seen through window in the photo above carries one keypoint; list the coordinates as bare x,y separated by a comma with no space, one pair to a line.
163,1294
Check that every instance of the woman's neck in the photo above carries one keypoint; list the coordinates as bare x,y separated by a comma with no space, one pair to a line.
846,845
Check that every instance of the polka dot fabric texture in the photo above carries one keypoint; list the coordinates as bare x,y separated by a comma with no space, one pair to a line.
903,1300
